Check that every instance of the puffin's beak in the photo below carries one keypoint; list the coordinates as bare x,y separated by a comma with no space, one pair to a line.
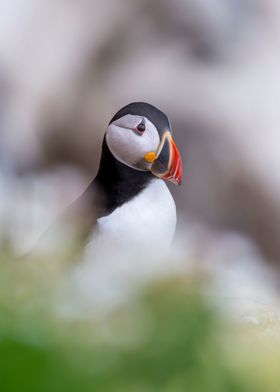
168,163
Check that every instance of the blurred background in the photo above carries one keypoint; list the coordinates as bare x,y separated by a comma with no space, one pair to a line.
213,66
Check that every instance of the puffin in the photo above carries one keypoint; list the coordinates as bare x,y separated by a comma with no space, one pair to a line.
128,204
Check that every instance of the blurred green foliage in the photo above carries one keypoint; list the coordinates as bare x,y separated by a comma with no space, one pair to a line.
167,339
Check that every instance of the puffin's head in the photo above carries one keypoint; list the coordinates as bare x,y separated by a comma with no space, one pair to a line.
139,136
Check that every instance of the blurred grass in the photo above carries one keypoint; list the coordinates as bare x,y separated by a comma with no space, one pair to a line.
167,339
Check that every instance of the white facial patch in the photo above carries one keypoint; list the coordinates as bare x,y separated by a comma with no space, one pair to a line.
127,145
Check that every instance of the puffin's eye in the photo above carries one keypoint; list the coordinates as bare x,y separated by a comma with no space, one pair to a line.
141,127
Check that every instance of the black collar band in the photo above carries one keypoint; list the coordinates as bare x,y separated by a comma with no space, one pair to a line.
117,182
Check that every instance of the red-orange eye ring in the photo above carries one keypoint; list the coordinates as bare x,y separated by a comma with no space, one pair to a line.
141,128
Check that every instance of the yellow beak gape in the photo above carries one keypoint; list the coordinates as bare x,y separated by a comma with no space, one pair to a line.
150,156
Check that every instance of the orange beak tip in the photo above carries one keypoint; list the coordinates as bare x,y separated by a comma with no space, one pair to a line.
176,170
168,162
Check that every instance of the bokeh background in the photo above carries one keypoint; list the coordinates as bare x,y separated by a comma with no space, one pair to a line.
213,66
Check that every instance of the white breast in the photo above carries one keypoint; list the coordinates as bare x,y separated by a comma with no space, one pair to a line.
146,221
129,246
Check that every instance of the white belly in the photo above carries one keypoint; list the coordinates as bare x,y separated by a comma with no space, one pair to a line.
148,220
129,246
